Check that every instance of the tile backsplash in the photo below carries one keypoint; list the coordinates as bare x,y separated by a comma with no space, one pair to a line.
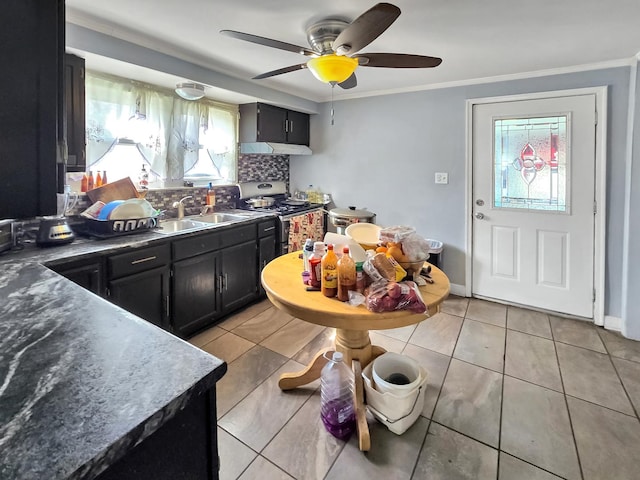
251,168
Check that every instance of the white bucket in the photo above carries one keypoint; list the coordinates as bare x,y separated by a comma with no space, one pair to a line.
390,365
397,411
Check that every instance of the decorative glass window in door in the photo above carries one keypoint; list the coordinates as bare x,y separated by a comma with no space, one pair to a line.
530,163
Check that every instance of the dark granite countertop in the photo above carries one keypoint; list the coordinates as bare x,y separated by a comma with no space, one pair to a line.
82,381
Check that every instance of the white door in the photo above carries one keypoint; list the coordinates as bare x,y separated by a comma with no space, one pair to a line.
533,195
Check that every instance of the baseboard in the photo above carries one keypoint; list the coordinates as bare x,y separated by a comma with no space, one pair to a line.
458,290
612,323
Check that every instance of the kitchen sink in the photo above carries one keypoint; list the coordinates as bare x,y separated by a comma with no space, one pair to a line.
173,226
219,218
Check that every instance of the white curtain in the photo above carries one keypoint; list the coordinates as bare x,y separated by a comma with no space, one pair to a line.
167,131
153,137
219,140
184,141
109,105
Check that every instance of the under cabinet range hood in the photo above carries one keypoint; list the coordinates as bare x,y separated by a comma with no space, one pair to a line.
272,148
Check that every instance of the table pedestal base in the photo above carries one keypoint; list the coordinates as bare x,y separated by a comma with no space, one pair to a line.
357,351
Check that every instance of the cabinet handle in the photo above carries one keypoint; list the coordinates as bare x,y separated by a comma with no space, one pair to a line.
226,283
142,260
268,229
291,123
286,126
220,284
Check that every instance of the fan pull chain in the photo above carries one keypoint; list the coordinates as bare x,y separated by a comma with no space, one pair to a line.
333,84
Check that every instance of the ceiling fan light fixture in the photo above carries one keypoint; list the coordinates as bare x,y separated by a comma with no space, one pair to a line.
190,91
332,68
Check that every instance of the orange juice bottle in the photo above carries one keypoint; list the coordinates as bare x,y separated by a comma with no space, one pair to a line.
329,280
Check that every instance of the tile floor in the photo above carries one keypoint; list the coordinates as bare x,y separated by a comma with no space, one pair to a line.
512,394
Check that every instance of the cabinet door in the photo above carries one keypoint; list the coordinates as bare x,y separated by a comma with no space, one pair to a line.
239,275
74,112
144,294
297,128
271,124
266,253
195,297
88,276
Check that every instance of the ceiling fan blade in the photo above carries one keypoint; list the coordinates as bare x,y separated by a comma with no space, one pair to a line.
397,60
350,82
366,28
280,71
268,42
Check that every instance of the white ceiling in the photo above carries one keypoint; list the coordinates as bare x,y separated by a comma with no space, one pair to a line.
476,39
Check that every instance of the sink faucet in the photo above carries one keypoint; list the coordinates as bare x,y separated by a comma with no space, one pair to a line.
180,206
205,209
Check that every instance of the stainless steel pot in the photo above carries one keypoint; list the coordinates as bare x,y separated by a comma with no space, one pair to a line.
261,202
341,218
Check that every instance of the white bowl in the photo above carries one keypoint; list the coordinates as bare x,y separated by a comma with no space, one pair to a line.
391,363
132,208
366,234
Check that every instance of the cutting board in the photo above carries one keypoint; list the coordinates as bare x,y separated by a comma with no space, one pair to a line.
119,190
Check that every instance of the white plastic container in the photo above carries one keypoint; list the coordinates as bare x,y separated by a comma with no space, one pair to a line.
396,411
390,366
336,398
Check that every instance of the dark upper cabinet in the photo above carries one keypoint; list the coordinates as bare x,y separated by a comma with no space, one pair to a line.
260,122
31,52
74,126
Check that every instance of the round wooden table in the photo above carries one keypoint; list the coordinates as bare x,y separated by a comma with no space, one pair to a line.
282,281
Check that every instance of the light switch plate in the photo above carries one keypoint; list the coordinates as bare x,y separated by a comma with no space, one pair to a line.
442,177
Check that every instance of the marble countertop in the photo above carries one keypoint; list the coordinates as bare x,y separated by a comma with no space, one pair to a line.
83,381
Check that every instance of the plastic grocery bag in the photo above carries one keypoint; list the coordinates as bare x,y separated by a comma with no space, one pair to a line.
391,296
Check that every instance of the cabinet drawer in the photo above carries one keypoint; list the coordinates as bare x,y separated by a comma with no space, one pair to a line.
139,260
190,247
237,235
266,228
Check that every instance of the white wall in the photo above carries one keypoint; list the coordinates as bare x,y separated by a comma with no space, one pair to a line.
382,154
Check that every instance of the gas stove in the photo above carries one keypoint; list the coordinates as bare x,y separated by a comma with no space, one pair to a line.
283,205
285,208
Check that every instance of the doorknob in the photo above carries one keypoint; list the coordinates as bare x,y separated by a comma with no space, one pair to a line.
480,202
479,216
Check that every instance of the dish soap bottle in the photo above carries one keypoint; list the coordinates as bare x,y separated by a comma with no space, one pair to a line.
336,398
143,178
211,195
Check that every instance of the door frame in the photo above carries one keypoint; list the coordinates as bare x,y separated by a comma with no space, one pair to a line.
599,194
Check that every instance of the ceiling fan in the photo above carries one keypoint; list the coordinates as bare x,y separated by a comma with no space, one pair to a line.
335,45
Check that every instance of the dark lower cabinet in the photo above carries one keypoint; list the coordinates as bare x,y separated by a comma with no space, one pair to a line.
194,293
239,275
144,294
184,448
266,248
138,281
87,274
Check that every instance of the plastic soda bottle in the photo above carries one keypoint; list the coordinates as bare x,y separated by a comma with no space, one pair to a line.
336,398
329,282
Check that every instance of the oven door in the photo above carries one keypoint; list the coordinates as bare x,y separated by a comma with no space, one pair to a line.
283,246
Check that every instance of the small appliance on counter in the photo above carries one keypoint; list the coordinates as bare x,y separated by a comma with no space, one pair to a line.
54,231
7,235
